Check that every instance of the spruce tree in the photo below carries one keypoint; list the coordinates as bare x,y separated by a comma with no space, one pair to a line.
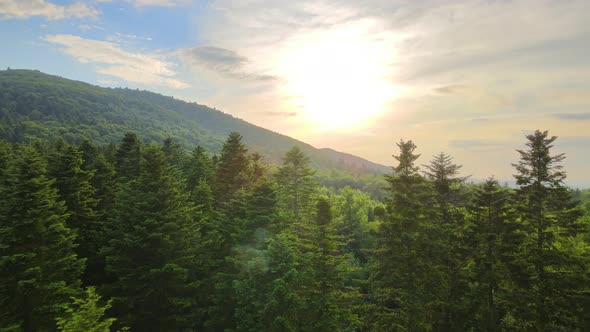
233,169
127,157
200,168
404,277
324,271
74,188
451,255
39,269
85,314
493,236
296,185
546,296
153,250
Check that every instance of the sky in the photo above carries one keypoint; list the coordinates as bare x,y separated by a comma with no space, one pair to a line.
468,78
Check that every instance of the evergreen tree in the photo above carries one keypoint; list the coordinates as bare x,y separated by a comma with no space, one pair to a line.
175,154
153,250
443,173
404,280
200,168
324,272
268,287
85,314
39,269
546,296
233,169
127,157
352,211
494,236
103,183
74,188
296,184
103,174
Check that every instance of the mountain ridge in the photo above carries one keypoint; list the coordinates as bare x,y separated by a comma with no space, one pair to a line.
39,106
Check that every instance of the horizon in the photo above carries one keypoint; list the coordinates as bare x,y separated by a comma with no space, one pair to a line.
467,78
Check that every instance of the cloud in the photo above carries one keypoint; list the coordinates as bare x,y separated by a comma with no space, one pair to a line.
88,27
573,116
448,89
123,38
114,61
23,9
223,61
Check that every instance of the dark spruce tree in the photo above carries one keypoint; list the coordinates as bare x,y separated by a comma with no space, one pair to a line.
127,157
233,170
325,269
153,250
444,175
404,273
39,269
548,292
296,185
74,188
492,234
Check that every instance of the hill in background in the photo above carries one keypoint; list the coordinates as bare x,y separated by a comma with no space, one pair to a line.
38,106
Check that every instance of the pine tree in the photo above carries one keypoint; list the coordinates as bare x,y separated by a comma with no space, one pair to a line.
233,169
127,157
85,314
268,287
296,184
494,236
175,154
200,168
74,188
103,183
443,173
548,213
153,249
324,271
39,269
403,278
352,210
103,176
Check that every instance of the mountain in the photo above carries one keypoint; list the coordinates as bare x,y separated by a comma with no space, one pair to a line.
38,106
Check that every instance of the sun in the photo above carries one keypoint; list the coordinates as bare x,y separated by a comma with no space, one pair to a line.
337,79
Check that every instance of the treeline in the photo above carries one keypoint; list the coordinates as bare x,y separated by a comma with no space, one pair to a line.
152,238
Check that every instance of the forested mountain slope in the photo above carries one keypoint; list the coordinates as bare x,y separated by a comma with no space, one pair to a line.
34,105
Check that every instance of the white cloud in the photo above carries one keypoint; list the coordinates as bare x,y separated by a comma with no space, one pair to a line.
22,9
225,62
88,27
112,60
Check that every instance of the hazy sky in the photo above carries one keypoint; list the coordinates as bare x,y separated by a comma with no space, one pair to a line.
470,78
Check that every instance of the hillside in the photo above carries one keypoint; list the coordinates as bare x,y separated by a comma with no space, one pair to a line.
37,106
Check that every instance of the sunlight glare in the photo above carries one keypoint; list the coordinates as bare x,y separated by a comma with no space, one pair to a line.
338,79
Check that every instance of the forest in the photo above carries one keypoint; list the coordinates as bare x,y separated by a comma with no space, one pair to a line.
142,236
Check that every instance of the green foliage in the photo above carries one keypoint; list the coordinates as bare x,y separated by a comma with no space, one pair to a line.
296,184
39,269
36,107
233,169
154,238
85,314
548,212
193,242
406,274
